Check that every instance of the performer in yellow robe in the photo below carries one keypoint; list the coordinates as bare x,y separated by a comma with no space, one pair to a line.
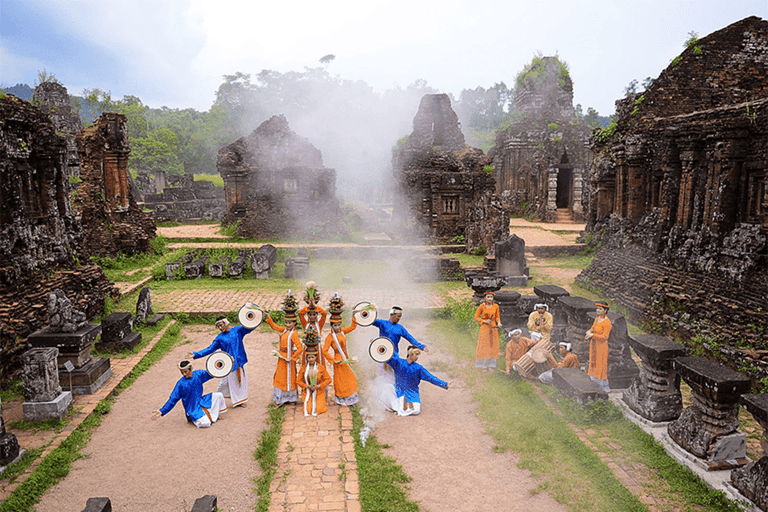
288,353
487,314
541,321
597,336
313,379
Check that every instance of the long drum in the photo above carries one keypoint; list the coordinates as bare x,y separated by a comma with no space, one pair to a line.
381,349
250,315
365,314
219,364
541,363
524,366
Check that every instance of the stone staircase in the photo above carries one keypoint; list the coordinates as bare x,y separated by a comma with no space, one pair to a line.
564,216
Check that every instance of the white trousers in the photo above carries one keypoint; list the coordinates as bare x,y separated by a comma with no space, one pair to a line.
218,405
234,388
401,409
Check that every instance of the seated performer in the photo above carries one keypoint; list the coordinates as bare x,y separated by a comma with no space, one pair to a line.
517,345
597,335
313,379
344,378
289,351
541,321
230,340
487,353
202,410
570,360
408,376
393,330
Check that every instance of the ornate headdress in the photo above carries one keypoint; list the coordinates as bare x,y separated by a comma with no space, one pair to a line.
336,309
311,339
311,292
290,307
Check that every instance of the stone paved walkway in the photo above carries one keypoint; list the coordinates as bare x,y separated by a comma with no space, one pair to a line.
317,469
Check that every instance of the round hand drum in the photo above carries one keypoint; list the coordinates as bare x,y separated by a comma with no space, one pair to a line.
250,315
381,349
219,364
365,317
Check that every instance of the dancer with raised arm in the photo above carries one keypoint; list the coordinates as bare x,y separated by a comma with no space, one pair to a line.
408,376
289,351
313,377
344,377
202,410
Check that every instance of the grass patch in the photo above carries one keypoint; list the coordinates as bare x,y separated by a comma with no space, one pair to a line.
467,260
14,391
16,469
381,478
266,455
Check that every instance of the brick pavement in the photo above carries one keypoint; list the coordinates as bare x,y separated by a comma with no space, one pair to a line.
316,461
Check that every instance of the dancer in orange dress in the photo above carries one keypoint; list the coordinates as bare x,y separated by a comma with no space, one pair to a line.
313,378
344,378
597,336
288,353
487,314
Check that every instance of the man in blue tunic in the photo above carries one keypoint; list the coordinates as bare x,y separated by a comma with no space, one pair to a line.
230,340
393,330
408,376
202,410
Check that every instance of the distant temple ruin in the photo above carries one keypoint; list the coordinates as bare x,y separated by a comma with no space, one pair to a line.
276,185
541,158
449,187
679,198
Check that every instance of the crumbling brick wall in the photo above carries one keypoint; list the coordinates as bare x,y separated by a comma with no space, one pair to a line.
112,221
39,233
679,196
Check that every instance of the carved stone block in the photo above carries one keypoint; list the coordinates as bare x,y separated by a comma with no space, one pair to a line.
40,375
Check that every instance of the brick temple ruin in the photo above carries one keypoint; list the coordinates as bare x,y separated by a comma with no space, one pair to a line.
679,199
180,197
540,160
448,191
40,233
276,186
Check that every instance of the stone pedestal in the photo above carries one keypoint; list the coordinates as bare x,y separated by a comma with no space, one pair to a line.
655,393
752,479
42,392
52,409
482,282
708,428
117,333
98,505
576,311
509,310
88,378
297,268
510,257
74,347
576,384
9,445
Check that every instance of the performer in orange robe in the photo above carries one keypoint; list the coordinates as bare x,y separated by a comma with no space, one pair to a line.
487,314
314,394
516,347
344,378
288,353
597,336
570,360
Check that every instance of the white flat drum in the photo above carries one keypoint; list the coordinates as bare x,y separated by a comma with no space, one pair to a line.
219,364
365,314
250,315
381,349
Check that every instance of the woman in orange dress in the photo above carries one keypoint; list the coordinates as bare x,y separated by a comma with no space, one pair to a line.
487,314
344,378
288,353
597,336
313,379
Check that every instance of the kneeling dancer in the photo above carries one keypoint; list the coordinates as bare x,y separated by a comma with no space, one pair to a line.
202,410
230,340
408,376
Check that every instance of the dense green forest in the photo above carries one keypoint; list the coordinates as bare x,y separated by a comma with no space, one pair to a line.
353,126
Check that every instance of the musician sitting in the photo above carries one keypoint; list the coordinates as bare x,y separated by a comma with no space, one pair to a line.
517,345
570,360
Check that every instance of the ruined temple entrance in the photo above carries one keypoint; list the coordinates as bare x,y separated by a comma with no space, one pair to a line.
564,186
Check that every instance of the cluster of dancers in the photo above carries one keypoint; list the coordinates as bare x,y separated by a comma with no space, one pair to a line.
307,384
540,324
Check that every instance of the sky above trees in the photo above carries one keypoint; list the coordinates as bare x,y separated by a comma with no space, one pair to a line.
175,53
